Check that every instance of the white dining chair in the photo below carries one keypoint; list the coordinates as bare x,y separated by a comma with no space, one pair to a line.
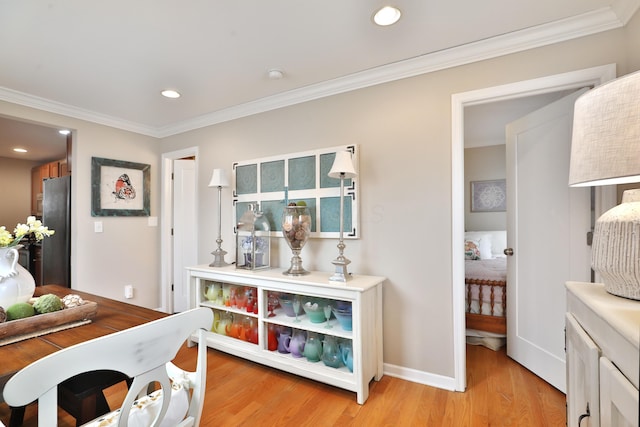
143,353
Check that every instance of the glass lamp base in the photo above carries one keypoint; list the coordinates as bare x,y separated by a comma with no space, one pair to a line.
296,268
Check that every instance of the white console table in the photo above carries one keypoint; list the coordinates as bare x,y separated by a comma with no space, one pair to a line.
363,292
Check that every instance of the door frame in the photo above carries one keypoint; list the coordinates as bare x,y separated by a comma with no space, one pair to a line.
166,222
554,83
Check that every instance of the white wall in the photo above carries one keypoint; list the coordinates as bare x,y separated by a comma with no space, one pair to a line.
403,129
15,199
482,164
632,37
404,132
127,252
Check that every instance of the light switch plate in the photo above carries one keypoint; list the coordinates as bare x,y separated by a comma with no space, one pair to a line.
97,226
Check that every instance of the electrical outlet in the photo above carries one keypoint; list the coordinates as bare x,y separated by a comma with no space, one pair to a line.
128,291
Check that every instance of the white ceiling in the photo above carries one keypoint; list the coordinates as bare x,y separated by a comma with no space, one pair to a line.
485,124
107,61
44,143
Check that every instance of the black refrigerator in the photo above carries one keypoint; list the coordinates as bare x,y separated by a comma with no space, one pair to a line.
56,214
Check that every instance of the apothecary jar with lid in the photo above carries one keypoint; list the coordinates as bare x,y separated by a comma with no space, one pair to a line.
253,244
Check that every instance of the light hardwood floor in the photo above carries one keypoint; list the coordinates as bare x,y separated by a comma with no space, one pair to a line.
240,393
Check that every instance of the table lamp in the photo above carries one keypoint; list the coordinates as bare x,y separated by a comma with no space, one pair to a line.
219,179
605,150
342,168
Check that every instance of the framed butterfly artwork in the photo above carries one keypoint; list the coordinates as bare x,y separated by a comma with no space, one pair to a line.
119,188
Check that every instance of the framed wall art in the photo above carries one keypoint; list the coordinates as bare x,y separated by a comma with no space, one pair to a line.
276,181
489,196
119,188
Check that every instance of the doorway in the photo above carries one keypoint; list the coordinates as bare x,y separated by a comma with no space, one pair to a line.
48,157
171,242
561,82
485,213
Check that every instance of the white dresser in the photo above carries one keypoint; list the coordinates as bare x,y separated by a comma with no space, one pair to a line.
603,358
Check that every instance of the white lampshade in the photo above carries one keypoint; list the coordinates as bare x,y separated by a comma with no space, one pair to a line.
605,147
342,165
219,178
606,150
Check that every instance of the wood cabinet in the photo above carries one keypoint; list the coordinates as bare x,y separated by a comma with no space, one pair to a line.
54,169
63,168
363,293
603,357
40,173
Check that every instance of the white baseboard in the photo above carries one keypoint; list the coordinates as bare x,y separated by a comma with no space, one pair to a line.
420,377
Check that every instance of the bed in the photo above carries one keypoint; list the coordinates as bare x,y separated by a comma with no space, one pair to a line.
485,283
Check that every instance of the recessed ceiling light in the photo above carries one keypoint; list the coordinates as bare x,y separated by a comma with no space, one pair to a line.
388,15
275,74
64,131
169,93
19,150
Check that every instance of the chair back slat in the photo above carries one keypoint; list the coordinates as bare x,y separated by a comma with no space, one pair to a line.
143,352
139,386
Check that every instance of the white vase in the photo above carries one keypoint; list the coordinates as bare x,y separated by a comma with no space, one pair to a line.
16,283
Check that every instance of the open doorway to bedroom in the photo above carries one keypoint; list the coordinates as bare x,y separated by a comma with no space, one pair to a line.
485,214
462,105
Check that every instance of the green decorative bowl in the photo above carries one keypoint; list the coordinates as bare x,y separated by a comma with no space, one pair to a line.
315,311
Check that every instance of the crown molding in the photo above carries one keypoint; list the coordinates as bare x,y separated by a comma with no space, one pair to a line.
579,26
55,107
603,19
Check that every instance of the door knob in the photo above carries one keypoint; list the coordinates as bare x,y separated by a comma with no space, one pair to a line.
508,251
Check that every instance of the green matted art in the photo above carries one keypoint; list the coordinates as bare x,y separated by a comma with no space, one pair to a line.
273,182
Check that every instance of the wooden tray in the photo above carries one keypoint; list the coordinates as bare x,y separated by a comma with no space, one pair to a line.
41,324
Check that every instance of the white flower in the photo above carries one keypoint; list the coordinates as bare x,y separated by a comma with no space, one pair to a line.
33,227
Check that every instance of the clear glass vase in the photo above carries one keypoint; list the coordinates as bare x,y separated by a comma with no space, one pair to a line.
296,227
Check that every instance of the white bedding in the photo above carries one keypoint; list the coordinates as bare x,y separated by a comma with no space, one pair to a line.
486,269
487,339
497,240
491,266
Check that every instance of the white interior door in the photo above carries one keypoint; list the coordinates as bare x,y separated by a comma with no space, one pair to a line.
184,229
547,224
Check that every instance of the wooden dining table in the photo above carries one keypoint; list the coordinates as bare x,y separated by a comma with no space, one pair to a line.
111,316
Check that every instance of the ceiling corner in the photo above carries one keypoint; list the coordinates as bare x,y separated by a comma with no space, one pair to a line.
625,9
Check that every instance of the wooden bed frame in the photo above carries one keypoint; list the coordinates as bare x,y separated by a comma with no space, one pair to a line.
487,321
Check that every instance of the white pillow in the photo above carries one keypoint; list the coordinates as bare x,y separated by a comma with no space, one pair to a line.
484,242
146,408
485,247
